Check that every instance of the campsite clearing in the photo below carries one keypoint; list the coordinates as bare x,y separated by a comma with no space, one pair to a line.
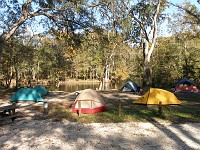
120,108
62,129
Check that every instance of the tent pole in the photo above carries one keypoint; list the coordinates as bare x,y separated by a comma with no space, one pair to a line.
79,108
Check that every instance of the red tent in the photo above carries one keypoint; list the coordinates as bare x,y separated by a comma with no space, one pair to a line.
186,85
89,101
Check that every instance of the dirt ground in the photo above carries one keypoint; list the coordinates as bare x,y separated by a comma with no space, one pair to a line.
29,132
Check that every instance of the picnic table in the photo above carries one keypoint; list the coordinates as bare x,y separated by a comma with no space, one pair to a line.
8,112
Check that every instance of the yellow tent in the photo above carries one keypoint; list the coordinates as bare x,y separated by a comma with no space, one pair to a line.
154,96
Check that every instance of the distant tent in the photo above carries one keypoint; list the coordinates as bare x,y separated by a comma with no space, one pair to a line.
154,96
186,85
26,94
41,90
90,102
131,86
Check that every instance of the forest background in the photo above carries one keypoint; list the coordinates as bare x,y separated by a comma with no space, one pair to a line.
101,40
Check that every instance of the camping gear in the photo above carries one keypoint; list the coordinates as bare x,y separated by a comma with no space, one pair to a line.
154,96
41,90
26,94
131,86
88,102
186,85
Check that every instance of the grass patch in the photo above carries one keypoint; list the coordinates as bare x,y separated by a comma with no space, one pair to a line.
183,113
188,111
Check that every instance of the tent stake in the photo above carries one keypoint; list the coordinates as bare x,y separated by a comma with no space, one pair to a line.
160,109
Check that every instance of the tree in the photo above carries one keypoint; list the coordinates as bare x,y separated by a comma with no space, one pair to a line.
185,27
144,17
166,62
69,14
138,23
109,11
17,60
191,11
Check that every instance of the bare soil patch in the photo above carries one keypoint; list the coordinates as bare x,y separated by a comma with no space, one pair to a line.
35,130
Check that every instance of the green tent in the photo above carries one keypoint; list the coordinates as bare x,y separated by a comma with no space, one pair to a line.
26,94
41,90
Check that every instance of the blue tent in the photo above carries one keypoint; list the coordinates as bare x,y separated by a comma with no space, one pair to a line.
185,81
131,86
26,94
41,90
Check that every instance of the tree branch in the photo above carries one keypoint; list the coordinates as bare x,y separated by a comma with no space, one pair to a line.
197,16
140,24
154,30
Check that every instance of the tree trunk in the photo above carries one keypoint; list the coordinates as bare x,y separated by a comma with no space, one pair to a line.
9,78
147,74
107,74
38,72
147,69
16,78
34,75
1,47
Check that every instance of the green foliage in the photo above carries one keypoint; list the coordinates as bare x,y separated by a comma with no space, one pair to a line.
66,51
176,57
191,14
143,12
84,56
16,59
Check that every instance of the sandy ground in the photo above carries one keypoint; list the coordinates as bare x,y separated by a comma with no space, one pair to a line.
29,133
